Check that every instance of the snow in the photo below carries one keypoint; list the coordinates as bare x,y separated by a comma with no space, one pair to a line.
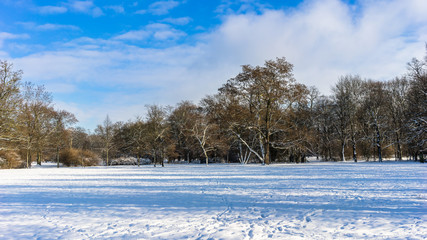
309,201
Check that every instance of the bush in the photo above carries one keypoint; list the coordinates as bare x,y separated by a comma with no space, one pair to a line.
124,161
10,159
77,157
130,161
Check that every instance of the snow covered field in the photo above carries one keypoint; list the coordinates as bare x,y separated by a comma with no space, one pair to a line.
310,201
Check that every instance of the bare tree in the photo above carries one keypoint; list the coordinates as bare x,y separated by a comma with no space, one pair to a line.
36,116
181,122
61,121
106,134
397,90
416,113
157,132
375,109
347,102
139,143
264,91
10,101
324,126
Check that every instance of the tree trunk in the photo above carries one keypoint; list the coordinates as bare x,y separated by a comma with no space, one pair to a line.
343,150
267,132
206,156
260,157
267,152
162,159
107,158
261,145
57,156
28,159
353,141
374,149
379,144
39,161
354,152
188,157
399,151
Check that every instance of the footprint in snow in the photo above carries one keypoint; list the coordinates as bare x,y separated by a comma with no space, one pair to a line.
251,233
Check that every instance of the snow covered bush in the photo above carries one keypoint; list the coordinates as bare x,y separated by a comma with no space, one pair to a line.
77,157
124,161
9,159
130,161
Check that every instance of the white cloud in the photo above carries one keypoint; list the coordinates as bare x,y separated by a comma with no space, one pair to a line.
178,21
323,39
50,26
142,11
87,7
240,6
81,6
134,35
116,8
52,9
165,32
83,114
47,26
10,36
159,7
3,54
60,87
157,31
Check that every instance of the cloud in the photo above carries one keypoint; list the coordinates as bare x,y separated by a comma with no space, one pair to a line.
241,7
48,26
323,39
156,31
165,32
87,7
80,6
61,87
134,35
52,9
159,7
79,111
130,77
116,8
10,36
142,11
178,21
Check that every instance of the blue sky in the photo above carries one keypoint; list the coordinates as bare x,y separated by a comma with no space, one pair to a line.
114,57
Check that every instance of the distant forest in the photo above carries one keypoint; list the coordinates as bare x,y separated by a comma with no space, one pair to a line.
262,115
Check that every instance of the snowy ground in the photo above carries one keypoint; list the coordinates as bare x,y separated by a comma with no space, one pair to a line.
311,201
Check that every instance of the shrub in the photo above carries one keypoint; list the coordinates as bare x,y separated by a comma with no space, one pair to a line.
77,157
10,159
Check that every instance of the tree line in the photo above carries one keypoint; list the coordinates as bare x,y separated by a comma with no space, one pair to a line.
261,115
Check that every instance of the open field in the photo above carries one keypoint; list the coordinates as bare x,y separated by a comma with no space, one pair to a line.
310,201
